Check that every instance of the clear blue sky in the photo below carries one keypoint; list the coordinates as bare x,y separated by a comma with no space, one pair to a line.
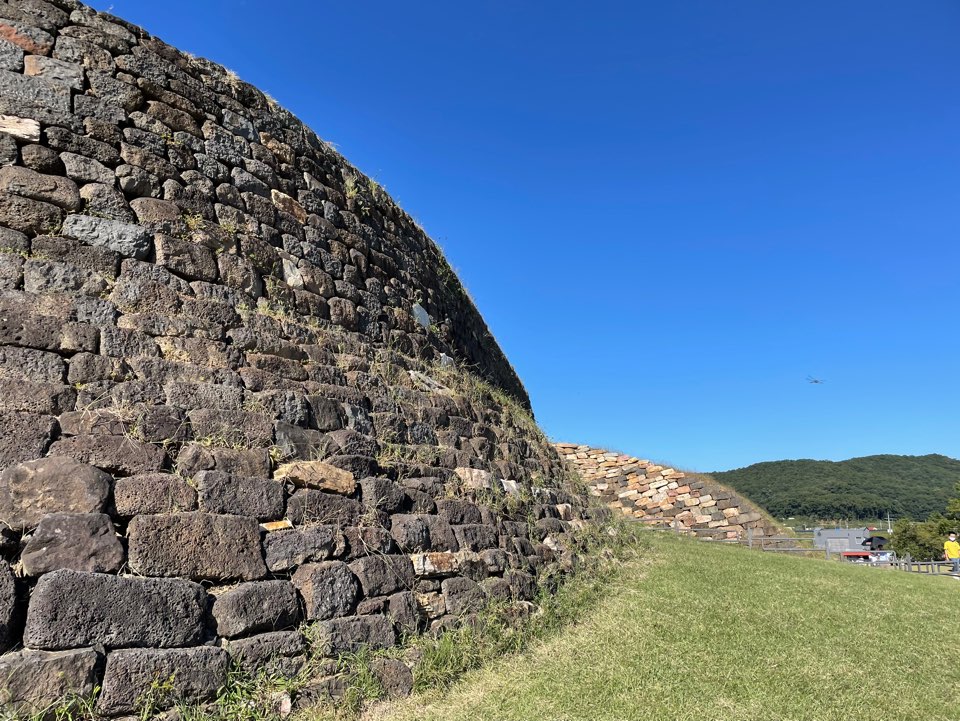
670,213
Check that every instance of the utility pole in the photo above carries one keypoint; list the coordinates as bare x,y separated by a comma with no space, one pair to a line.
889,529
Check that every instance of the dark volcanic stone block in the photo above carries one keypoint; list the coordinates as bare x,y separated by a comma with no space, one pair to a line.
286,549
403,610
262,498
359,466
455,512
107,202
299,443
87,170
153,493
522,585
476,536
311,506
131,241
382,494
31,39
35,680
395,676
256,607
461,595
25,436
11,271
329,589
30,330
442,537
281,652
8,146
41,159
11,240
186,259
30,397
90,147
496,588
246,463
8,605
368,541
232,428
117,454
31,490
196,674
383,575
70,610
28,183
67,250
410,532
77,541
349,635
419,502
197,546
347,441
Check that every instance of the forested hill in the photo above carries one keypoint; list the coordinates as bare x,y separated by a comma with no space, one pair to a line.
867,487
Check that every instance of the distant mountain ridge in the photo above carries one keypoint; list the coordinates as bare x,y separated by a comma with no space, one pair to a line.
866,487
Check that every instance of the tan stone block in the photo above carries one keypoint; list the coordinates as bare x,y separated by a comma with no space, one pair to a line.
440,563
317,474
21,128
433,604
474,478
284,202
276,525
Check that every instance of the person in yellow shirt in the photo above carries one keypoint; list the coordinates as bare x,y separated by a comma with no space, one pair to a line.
951,552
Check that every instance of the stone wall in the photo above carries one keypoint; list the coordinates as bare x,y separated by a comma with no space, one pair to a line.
664,497
239,388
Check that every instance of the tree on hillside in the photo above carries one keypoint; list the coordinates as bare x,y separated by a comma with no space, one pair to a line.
953,505
924,540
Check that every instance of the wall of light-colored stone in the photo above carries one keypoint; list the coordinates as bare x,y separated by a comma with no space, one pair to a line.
665,497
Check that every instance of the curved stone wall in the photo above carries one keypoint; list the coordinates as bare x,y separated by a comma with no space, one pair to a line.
239,388
660,496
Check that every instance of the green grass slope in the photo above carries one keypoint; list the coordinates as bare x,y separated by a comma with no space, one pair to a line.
706,631
867,487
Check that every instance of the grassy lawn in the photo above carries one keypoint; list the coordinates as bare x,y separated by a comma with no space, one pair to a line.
708,633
